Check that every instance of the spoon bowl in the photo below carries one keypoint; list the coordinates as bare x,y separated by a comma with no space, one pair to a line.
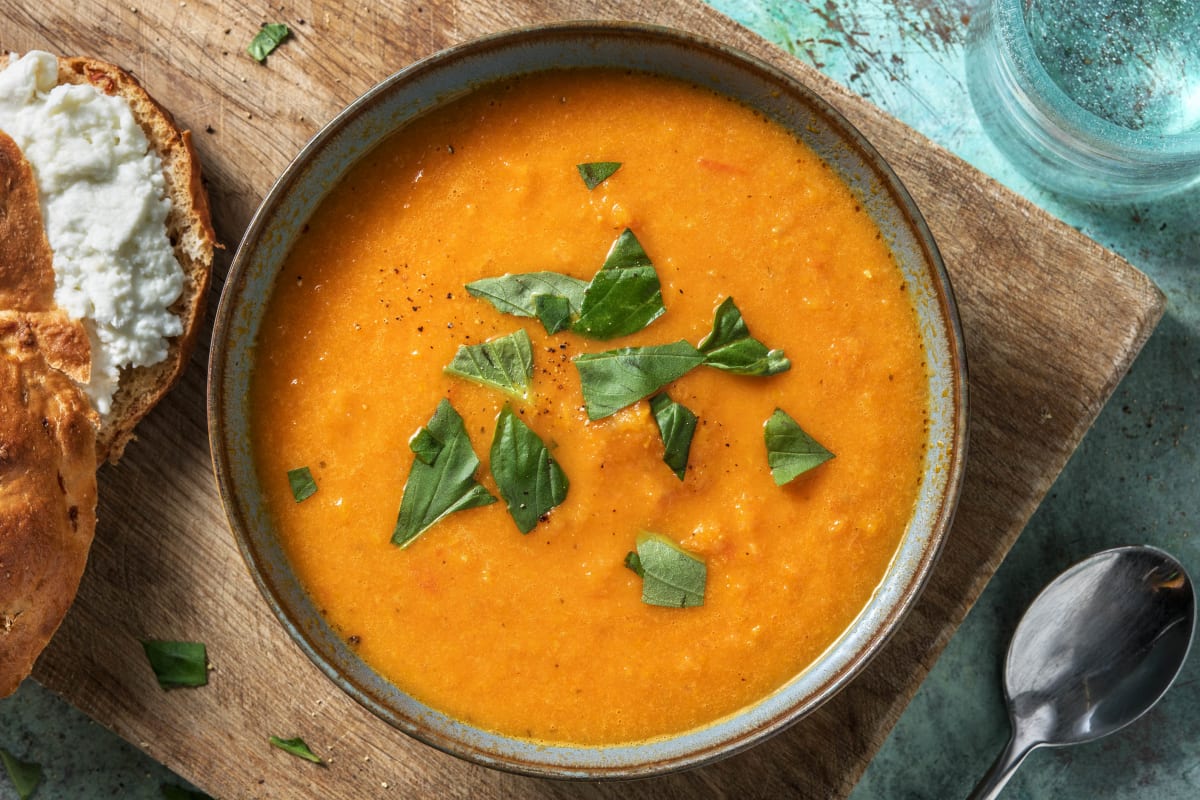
1094,652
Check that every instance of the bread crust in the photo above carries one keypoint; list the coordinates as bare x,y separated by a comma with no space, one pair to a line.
47,500
189,227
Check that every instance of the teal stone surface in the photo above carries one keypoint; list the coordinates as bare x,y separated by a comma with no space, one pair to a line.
1134,479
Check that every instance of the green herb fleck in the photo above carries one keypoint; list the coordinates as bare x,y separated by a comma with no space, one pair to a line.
614,379
790,451
444,486
177,664
25,775
595,173
554,311
269,36
296,747
170,792
624,296
425,445
731,347
676,426
505,364
302,483
530,481
517,294
671,576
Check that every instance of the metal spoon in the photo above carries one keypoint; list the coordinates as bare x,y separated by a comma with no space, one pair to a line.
1096,650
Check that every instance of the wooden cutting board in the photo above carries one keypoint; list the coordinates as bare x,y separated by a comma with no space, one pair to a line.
1052,322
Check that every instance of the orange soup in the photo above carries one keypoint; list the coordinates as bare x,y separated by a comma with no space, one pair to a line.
545,635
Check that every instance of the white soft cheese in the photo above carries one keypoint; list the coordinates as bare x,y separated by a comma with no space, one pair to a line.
104,204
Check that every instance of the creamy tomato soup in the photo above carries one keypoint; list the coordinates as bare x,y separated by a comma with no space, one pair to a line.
545,635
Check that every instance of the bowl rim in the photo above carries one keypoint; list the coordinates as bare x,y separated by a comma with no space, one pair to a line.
947,312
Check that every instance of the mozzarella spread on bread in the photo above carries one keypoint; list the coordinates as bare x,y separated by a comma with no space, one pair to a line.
103,200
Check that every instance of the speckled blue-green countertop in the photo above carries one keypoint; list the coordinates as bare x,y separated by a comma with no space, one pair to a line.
1136,477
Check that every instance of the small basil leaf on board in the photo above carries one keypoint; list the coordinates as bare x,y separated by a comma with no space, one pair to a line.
614,379
25,775
435,490
170,792
671,576
425,446
554,311
790,451
595,173
296,747
530,481
302,483
516,294
731,347
505,364
269,36
624,296
177,664
676,425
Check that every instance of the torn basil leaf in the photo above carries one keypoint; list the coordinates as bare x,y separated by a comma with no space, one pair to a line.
790,451
624,296
595,173
671,576
505,364
530,481
614,379
269,36
296,747
302,483
517,294
731,347
554,311
177,664
25,775
676,425
444,486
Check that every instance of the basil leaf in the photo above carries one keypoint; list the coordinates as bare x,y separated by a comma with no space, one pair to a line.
624,296
505,364
425,445
634,563
676,426
731,347
790,451
530,481
25,775
554,311
302,483
170,792
177,664
617,378
435,490
595,173
516,294
269,36
296,747
671,576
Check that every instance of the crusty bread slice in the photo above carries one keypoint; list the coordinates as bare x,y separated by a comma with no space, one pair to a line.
189,226
47,500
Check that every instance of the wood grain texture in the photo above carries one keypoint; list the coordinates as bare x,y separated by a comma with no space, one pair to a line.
1051,321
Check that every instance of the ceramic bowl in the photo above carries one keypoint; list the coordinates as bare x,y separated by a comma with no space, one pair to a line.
450,74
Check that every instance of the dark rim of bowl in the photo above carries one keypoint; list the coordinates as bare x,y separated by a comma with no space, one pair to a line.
886,179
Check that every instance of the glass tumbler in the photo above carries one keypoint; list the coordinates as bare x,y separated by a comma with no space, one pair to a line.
1097,99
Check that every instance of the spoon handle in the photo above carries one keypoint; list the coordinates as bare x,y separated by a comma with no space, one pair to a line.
1006,764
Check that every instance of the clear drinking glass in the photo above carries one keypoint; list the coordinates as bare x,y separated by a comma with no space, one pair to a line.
1099,99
